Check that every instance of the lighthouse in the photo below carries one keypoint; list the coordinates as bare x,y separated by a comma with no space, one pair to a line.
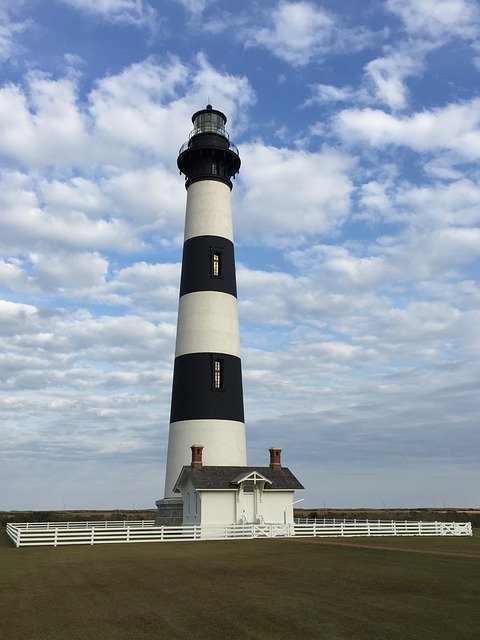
207,395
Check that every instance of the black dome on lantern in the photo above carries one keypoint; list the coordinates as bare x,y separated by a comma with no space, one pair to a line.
208,154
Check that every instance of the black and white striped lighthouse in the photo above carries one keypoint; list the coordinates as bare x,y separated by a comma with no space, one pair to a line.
207,396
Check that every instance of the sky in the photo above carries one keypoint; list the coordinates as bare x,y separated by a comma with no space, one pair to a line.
356,217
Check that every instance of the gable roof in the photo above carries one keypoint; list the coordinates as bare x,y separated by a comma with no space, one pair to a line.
230,477
254,475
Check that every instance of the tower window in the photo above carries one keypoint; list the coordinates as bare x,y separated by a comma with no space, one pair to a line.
218,374
216,264
214,168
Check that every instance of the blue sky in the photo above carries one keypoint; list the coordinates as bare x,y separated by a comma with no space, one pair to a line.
356,217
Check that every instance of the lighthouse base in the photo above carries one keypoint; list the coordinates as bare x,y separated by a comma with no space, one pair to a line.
169,512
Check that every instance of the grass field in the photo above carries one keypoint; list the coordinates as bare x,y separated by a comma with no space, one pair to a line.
259,589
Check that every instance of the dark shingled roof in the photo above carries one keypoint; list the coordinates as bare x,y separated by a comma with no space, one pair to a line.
226,477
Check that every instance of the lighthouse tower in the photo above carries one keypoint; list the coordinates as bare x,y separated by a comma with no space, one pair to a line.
207,396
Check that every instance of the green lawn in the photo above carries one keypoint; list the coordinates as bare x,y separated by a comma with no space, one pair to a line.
460,544
259,589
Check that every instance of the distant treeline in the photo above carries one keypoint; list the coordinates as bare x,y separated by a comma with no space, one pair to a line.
427,515
73,516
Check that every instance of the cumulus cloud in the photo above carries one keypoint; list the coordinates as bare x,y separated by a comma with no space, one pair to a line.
367,273
124,187
196,7
43,124
10,29
26,223
271,181
138,13
438,18
125,119
384,81
70,271
327,93
300,32
455,128
387,75
416,257
439,205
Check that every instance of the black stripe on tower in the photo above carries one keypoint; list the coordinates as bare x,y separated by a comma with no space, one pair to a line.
208,264
207,386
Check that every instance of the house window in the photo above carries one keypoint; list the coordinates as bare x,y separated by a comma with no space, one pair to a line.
216,264
188,504
248,488
218,375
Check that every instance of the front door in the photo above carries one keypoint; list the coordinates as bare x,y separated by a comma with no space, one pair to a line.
249,503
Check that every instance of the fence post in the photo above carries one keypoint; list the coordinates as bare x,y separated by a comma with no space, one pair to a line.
92,535
55,540
128,534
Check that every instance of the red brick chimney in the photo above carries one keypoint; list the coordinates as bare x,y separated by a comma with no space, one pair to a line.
196,456
275,458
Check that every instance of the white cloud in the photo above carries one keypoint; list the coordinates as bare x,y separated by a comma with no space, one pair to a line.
325,93
383,82
301,32
456,203
69,270
133,110
292,193
196,7
125,121
387,75
115,179
414,257
25,223
455,127
44,124
150,287
353,330
12,275
129,12
9,30
438,18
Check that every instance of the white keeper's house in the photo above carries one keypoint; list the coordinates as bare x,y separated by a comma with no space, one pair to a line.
236,495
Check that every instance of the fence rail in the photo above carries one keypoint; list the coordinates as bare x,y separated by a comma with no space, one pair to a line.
105,532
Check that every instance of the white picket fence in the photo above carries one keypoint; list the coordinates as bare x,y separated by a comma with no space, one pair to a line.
104,532
63,533
359,528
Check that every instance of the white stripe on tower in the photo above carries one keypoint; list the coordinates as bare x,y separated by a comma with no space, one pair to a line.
207,396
